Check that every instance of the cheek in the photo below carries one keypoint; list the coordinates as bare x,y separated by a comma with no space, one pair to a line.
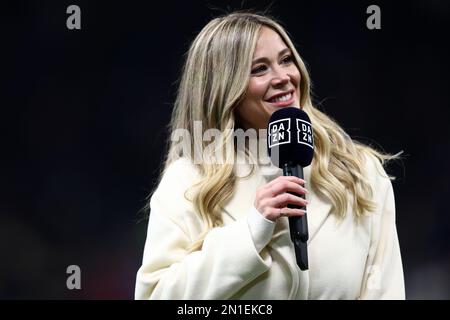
257,88
296,76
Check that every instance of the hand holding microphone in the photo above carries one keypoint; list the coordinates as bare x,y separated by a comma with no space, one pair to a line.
272,199
291,147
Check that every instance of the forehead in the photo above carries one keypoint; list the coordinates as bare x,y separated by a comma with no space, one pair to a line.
268,42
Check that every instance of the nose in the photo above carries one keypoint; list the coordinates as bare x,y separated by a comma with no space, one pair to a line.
280,77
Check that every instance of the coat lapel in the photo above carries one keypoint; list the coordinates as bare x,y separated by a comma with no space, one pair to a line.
245,189
318,210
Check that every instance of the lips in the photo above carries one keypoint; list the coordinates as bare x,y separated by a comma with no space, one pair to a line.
282,100
276,97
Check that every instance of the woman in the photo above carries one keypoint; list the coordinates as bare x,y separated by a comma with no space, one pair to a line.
218,229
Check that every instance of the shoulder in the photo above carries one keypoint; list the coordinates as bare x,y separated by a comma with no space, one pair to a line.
181,169
376,175
373,165
171,198
178,176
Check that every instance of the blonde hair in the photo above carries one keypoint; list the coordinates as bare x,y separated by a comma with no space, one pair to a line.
214,81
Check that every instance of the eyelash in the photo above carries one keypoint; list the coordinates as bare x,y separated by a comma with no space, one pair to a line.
287,59
260,68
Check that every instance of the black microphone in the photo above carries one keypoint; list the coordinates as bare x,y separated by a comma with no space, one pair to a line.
290,144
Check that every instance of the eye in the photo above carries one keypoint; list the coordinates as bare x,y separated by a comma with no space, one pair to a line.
287,59
259,69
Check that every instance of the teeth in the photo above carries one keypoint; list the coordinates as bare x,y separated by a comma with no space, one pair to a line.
282,98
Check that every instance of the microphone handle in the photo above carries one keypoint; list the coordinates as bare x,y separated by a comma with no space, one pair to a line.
298,226
301,254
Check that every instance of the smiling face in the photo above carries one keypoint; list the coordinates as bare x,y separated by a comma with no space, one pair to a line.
274,82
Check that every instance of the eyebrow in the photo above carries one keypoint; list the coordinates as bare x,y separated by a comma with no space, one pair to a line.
263,59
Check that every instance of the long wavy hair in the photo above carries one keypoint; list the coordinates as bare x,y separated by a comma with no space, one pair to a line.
213,82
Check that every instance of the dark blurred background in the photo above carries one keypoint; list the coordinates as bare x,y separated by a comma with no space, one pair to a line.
83,116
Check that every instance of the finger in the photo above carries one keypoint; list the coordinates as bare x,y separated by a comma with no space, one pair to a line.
285,186
291,212
284,199
287,178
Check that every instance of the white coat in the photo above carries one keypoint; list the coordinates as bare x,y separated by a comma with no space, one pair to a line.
253,258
